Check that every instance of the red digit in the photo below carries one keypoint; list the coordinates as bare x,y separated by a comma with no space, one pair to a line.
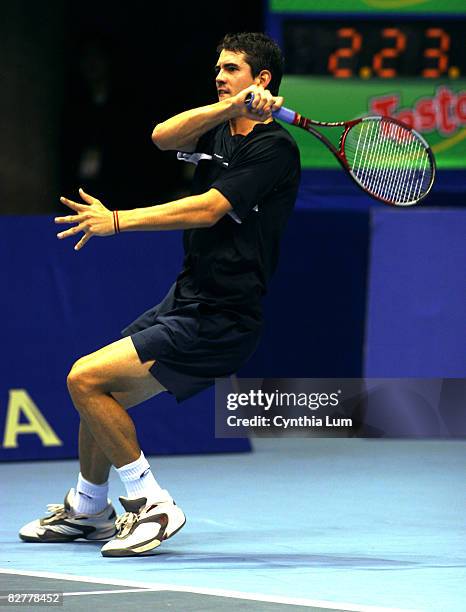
438,52
344,52
400,46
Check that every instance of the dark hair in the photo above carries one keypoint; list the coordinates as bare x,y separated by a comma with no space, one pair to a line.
261,53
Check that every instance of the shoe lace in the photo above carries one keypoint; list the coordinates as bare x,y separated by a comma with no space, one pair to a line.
57,511
124,523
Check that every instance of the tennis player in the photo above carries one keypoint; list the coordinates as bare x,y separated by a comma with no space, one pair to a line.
209,323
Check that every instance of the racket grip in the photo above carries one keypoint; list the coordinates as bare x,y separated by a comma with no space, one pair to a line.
284,114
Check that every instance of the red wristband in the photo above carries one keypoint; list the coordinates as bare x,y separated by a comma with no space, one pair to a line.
116,222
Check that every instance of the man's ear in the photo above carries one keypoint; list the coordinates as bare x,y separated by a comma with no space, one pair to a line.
263,78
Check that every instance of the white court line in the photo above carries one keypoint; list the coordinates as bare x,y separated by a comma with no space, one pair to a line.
159,586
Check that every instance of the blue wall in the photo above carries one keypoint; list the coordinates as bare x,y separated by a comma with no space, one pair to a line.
416,320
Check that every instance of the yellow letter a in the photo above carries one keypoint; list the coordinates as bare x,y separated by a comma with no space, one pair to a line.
20,401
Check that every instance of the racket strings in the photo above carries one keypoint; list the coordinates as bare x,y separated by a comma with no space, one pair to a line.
388,160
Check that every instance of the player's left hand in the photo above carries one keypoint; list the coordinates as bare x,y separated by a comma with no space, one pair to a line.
92,218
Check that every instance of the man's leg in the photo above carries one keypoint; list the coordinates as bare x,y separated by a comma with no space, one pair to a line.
116,367
102,386
94,465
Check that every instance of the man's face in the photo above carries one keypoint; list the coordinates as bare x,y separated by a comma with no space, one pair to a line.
233,74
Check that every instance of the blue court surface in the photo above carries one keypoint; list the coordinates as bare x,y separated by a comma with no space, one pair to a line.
299,524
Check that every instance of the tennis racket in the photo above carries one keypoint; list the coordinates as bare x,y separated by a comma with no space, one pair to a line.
389,160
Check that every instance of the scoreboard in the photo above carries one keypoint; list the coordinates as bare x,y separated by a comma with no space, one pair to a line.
403,58
385,48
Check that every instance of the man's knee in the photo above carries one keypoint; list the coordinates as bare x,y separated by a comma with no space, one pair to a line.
82,377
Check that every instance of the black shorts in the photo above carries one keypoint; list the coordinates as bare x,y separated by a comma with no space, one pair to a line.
192,344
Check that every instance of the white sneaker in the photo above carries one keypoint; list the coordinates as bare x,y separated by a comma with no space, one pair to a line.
143,527
66,525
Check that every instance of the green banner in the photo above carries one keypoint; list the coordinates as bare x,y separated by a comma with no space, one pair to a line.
437,110
368,6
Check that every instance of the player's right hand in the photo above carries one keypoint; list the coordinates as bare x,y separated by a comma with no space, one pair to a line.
91,218
262,105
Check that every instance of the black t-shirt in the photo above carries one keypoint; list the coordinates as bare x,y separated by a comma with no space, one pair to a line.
228,266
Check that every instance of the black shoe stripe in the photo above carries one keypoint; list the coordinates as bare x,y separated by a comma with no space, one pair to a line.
51,536
84,528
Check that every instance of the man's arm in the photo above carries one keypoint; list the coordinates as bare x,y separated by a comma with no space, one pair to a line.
94,219
181,132
202,210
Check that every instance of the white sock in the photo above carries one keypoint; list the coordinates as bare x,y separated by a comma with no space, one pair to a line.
90,498
140,482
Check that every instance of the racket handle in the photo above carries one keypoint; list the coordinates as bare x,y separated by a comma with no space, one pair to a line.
284,114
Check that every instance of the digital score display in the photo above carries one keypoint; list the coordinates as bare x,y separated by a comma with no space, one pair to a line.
376,48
